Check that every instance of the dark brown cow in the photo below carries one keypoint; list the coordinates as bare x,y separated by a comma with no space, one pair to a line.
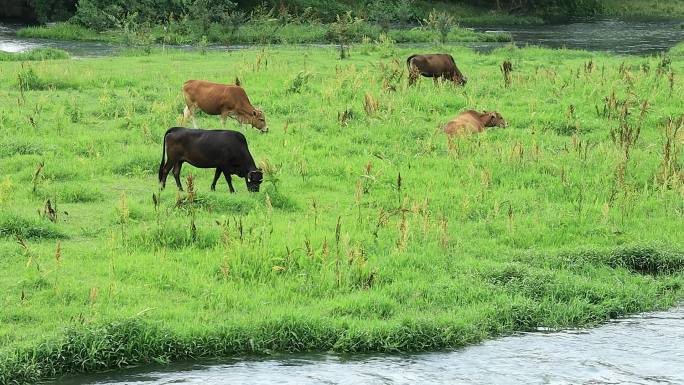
471,122
225,150
227,100
436,66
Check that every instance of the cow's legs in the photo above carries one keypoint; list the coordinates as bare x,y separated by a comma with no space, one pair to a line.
176,174
413,76
223,120
229,181
217,174
187,114
165,171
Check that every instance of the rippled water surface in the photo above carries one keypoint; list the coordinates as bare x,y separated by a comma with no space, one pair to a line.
618,36
646,349
11,43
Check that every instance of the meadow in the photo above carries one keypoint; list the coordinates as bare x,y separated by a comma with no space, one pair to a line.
372,231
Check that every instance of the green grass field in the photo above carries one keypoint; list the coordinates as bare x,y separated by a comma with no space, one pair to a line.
372,231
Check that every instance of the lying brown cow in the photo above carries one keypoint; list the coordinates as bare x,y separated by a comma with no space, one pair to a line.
227,100
436,66
472,122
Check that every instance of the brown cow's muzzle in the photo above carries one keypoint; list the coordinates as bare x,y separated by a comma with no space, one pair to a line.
264,130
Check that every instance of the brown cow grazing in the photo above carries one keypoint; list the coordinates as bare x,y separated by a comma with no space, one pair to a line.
224,150
472,122
436,66
227,100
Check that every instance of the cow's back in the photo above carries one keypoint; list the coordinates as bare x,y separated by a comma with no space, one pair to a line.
204,148
214,98
465,123
433,63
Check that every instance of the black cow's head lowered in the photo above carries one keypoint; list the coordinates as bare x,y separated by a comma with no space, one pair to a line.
254,179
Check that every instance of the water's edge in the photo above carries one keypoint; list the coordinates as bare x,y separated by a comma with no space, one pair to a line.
633,37
643,349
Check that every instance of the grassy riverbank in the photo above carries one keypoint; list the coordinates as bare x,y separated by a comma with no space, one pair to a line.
253,33
645,8
677,50
34,54
264,25
371,232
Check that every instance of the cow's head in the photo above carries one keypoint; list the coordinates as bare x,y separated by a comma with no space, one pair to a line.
459,79
493,119
258,120
254,179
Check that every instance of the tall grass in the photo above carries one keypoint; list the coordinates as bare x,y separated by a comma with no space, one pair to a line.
34,54
372,231
643,8
60,31
256,33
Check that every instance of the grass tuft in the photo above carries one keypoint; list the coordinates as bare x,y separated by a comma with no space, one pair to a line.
35,54
14,225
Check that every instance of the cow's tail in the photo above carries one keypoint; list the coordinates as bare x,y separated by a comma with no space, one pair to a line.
408,62
163,160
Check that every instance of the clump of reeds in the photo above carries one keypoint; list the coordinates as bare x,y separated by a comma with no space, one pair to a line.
403,232
338,230
344,117
670,171
663,64
444,232
261,61
299,82
191,206
626,133
49,212
28,254
271,171
58,254
35,181
506,70
370,104
391,75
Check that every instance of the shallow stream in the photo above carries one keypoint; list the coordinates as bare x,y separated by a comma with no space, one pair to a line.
647,349
618,36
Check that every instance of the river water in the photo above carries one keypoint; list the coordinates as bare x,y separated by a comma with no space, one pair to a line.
9,42
617,36
632,37
647,350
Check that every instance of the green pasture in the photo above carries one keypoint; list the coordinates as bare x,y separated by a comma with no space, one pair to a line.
372,231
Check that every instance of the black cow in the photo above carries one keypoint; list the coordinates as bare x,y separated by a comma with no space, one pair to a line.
225,150
434,66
